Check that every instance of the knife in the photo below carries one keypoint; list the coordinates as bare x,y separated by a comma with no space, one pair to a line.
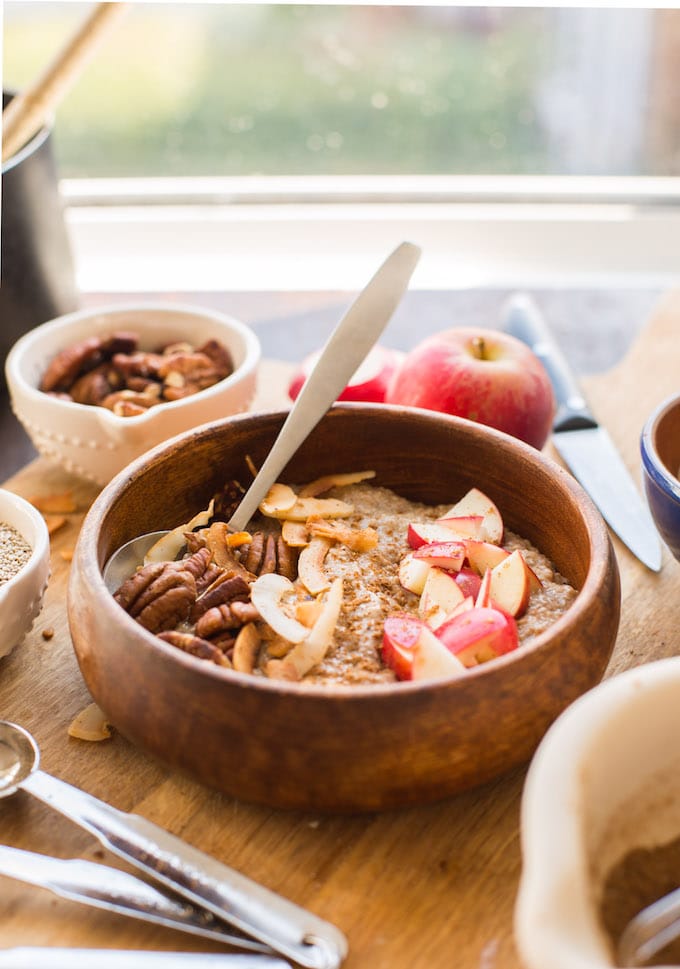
584,445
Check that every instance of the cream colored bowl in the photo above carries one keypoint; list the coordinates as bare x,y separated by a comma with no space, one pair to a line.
604,780
21,596
95,443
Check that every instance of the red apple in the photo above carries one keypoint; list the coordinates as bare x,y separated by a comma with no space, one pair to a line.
484,592
484,375
475,502
478,635
441,595
468,582
443,530
400,634
445,555
483,555
432,660
370,381
413,573
512,582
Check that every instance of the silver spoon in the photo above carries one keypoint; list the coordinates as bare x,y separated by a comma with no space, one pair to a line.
346,348
117,891
204,881
652,929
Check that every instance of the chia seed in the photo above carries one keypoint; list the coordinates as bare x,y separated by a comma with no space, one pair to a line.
14,552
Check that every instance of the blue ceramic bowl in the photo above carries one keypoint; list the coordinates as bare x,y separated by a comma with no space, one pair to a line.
660,449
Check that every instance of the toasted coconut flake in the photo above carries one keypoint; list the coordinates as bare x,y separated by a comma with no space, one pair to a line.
328,481
358,539
61,504
246,648
280,498
167,548
54,523
278,669
295,534
266,594
221,541
276,645
310,566
252,467
305,508
309,653
90,724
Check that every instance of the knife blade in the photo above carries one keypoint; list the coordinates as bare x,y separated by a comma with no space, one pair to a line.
585,445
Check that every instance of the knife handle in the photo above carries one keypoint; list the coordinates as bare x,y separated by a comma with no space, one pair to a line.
523,319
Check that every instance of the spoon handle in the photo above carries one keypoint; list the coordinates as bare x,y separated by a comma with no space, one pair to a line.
117,891
346,348
37,957
251,908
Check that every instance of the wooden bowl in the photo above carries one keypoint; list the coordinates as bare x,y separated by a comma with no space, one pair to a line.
345,748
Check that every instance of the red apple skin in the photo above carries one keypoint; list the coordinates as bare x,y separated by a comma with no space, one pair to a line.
483,375
469,582
400,634
370,381
479,634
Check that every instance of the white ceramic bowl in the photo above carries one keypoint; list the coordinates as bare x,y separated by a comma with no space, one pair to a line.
604,781
95,443
21,596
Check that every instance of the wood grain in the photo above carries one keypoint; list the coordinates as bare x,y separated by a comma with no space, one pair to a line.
421,888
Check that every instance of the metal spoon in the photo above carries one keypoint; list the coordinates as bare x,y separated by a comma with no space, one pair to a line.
346,348
206,882
650,931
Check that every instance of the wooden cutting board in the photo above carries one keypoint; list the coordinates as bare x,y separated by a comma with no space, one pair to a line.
426,887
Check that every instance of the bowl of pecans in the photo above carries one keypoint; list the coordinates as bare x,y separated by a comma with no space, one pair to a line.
96,388
414,602
24,567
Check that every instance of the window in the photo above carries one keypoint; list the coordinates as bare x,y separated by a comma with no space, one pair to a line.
428,114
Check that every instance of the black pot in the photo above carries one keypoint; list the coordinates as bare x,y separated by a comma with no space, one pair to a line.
37,278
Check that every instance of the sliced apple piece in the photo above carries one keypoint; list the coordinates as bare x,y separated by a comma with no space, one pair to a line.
475,502
442,530
444,555
510,586
484,555
432,660
441,594
413,573
463,526
400,634
469,582
467,604
478,635
483,595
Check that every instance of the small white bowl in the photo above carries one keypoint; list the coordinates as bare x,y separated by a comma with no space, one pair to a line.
605,780
21,596
95,443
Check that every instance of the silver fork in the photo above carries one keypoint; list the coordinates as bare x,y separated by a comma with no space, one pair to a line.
650,931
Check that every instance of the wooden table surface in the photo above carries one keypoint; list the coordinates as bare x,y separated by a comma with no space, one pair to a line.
427,887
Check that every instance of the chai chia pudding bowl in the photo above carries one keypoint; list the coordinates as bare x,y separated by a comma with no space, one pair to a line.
342,582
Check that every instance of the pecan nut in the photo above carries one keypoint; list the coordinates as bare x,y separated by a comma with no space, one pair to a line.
201,648
160,595
92,387
269,553
70,362
225,588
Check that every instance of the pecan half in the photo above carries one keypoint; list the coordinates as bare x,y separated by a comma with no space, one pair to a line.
159,595
139,364
269,553
201,648
122,341
220,619
124,402
225,589
70,362
220,356
92,387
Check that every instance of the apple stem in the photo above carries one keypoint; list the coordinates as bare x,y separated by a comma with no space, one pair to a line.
478,347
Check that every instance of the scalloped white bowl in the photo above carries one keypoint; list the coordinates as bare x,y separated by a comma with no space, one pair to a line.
95,443
598,787
21,596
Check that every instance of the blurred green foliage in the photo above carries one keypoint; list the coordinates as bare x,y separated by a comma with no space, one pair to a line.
212,89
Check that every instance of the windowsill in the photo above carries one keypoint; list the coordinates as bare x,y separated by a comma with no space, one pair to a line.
315,246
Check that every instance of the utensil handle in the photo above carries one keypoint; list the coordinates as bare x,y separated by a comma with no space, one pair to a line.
27,112
37,957
346,348
117,891
253,909
523,319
